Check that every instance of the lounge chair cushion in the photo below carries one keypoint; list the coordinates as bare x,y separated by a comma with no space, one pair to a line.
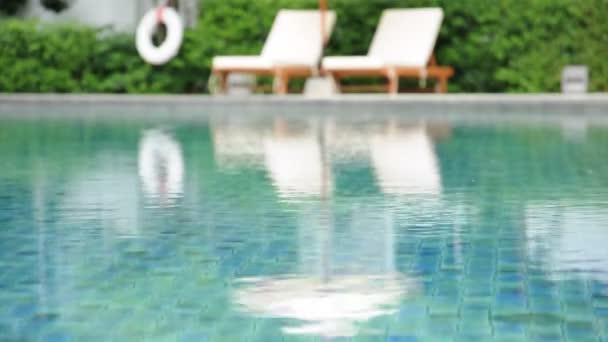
406,37
242,62
295,37
294,41
352,63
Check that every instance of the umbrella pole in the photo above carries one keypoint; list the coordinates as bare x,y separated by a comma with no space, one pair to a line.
317,85
323,9
324,37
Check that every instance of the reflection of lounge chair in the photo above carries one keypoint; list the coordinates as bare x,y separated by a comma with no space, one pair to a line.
402,47
295,164
237,145
405,162
293,48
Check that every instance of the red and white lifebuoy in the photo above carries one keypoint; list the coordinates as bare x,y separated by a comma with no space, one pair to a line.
175,34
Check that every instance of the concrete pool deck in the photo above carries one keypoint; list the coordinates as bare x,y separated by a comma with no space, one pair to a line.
440,106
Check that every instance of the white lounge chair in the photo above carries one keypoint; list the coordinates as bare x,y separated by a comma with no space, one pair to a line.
293,48
402,47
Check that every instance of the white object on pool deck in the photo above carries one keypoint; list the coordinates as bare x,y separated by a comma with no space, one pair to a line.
575,79
404,37
320,87
161,165
169,48
405,162
402,46
294,42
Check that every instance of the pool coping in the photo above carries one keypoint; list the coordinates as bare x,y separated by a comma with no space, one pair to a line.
464,98
459,107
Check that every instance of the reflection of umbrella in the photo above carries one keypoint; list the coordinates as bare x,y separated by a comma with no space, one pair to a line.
405,162
161,166
326,308
334,290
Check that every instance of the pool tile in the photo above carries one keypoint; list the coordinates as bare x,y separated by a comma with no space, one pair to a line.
56,337
542,306
443,306
509,330
581,331
545,332
577,311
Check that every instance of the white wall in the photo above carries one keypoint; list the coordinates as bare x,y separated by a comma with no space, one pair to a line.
122,15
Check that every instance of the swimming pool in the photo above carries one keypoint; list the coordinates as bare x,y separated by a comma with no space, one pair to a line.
261,228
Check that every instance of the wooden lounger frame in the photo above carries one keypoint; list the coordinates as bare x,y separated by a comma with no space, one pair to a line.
282,75
433,71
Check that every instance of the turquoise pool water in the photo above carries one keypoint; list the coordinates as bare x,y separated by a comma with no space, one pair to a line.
275,229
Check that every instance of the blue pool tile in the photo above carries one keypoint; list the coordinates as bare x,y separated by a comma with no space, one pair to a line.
401,338
581,330
544,306
468,336
602,313
56,337
24,310
599,289
193,337
509,327
407,311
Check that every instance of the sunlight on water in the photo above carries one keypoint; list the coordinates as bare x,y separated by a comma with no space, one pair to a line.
258,228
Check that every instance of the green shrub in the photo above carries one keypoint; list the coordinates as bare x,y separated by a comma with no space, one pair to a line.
497,46
11,7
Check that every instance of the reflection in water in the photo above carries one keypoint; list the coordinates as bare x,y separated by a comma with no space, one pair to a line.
569,239
106,191
161,166
494,232
327,308
237,145
405,161
335,289
344,277
297,161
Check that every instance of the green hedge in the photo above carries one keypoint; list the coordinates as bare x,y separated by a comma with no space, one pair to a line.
495,46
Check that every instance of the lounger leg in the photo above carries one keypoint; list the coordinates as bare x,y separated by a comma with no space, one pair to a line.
337,81
223,78
393,84
281,83
442,85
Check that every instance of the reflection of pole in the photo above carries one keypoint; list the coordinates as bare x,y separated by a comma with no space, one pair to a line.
326,224
40,218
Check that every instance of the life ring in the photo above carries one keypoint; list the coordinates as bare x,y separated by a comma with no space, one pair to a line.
175,34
